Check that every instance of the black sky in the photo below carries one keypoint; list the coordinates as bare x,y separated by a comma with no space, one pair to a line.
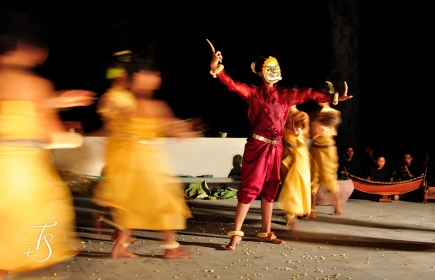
396,96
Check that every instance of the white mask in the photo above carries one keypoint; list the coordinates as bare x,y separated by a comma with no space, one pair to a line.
272,73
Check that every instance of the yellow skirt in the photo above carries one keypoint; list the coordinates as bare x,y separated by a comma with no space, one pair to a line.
139,195
324,165
295,195
36,213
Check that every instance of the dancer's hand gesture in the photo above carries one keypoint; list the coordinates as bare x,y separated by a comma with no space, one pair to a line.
216,58
71,98
344,96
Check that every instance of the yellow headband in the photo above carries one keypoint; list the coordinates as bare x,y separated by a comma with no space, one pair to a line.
115,72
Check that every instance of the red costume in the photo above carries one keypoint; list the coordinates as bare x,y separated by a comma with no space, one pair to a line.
267,112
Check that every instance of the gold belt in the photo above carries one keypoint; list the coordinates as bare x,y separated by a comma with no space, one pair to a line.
323,146
291,146
23,143
264,139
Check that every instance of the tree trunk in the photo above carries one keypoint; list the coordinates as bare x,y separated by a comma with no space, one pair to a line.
344,15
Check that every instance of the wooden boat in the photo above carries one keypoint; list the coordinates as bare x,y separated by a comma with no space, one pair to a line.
386,189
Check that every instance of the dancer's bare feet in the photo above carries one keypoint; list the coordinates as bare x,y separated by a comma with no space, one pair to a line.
337,210
176,254
122,252
117,232
235,240
337,205
312,215
291,221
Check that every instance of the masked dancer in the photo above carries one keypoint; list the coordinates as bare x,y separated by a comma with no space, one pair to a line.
268,110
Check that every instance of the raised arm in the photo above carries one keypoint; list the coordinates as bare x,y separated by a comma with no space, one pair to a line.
71,98
217,70
299,96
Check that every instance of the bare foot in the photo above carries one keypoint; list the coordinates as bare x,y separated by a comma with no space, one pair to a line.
122,252
337,210
290,220
117,232
235,240
312,215
271,238
176,254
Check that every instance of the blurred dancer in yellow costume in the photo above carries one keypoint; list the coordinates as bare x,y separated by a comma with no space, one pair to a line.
36,211
114,106
295,195
139,195
324,158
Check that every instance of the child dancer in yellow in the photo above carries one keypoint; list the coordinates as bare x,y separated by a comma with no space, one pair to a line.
136,189
36,210
295,195
324,158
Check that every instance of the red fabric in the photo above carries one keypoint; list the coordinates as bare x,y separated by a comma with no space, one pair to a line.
268,107
267,112
260,171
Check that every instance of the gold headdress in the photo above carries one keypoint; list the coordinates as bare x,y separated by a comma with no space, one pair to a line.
265,62
269,60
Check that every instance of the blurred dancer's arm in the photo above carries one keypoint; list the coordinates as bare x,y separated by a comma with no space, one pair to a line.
71,98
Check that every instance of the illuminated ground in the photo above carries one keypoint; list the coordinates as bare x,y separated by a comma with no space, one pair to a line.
371,240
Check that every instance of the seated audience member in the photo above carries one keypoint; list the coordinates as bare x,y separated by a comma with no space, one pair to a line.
379,172
408,170
349,163
367,161
236,171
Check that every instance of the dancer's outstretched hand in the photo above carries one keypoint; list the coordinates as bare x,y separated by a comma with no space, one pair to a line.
216,58
72,98
188,128
344,96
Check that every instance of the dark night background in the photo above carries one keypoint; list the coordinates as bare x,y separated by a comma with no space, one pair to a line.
396,97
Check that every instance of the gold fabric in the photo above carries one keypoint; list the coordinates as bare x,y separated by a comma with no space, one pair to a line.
115,106
139,194
32,195
295,195
20,120
324,160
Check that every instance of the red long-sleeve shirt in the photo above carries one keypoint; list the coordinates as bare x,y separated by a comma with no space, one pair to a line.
269,107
